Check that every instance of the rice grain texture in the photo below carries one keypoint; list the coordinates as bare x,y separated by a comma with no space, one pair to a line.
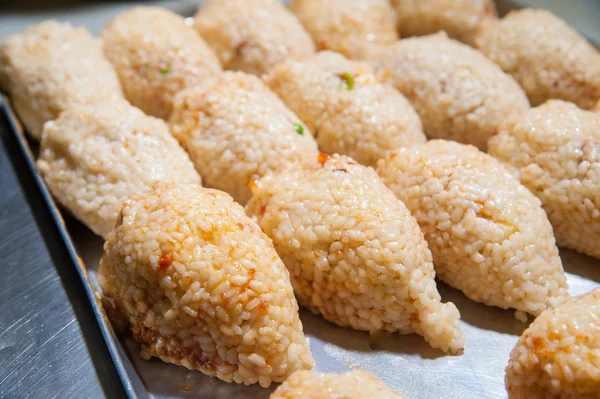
351,28
356,384
252,35
556,150
236,130
51,67
355,254
94,157
459,94
489,236
203,287
345,106
557,356
458,18
545,55
156,54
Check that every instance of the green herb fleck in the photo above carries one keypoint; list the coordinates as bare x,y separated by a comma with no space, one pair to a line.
299,128
165,71
347,81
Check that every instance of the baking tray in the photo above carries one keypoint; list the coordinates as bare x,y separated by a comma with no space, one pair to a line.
405,362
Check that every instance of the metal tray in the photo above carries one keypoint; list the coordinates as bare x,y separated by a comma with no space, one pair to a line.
404,362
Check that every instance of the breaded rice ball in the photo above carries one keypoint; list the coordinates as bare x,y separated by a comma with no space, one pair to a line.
156,54
556,149
458,18
351,28
355,254
489,236
356,384
236,130
52,67
203,287
459,94
252,35
558,355
546,56
94,157
348,110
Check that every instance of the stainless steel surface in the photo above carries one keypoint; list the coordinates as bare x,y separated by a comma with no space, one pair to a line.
49,342
51,346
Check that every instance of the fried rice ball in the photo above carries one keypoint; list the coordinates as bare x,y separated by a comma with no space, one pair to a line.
351,28
252,35
94,157
489,236
156,54
556,150
203,287
348,110
557,356
546,56
236,130
459,94
355,254
51,67
458,18
355,384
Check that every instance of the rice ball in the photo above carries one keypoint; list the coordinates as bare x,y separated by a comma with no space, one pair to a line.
202,286
51,67
458,18
351,28
252,35
546,56
156,54
459,94
556,150
355,254
489,236
349,111
93,157
355,384
557,356
236,130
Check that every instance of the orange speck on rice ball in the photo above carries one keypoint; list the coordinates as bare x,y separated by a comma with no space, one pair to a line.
203,287
489,236
558,355
555,149
355,254
345,106
236,130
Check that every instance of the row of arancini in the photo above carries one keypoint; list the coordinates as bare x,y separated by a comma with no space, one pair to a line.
354,252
